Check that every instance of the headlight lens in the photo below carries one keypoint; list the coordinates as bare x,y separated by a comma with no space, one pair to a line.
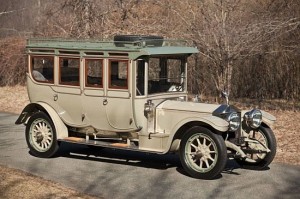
234,121
253,118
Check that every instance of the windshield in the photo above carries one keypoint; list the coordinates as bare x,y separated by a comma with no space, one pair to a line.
166,74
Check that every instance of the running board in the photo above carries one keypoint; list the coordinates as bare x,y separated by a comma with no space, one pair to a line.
106,144
102,143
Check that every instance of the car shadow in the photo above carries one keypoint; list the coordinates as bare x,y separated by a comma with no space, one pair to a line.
117,156
132,158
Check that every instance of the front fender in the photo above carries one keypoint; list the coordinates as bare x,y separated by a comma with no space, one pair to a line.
267,118
60,127
215,122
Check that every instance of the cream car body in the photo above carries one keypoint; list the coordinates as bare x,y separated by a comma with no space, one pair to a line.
131,95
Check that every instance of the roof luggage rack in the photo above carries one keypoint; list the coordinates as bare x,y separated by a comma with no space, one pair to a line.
122,41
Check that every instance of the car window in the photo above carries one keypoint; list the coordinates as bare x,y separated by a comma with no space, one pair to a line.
69,71
42,69
94,70
166,74
118,74
140,78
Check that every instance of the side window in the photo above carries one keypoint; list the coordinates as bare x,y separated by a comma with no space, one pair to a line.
69,71
140,78
42,69
118,74
93,71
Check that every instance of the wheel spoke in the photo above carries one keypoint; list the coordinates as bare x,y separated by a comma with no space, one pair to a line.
204,142
47,144
40,125
201,164
206,163
198,141
194,146
211,158
38,128
49,138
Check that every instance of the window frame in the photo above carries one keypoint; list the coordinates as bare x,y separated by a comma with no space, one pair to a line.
86,73
31,68
183,61
109,74
59,71
145,77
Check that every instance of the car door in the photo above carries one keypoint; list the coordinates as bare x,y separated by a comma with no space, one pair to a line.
118,101
67,93
94,93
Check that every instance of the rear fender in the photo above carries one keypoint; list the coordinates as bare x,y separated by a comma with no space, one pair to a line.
30,109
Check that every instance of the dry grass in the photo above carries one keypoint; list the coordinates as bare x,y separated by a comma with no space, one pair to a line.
287,133
16,184
13,99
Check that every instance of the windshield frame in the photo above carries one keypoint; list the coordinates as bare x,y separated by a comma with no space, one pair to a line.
179,88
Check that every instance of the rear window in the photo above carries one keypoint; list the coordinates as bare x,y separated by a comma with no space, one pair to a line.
42,68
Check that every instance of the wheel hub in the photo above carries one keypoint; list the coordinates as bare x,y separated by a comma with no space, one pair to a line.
203,153
39,137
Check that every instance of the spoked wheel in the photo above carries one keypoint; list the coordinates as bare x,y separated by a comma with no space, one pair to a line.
203,154
41,135
260,160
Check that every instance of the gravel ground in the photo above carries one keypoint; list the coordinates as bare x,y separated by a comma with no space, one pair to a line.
17,184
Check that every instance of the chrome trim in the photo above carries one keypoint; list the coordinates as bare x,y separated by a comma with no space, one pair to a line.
253,118
234,121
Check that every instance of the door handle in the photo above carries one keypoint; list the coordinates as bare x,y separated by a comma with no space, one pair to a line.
55,97
105,102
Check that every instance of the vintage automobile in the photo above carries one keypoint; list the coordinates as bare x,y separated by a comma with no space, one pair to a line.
131,94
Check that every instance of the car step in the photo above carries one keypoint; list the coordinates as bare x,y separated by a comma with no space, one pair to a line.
102,143
74,139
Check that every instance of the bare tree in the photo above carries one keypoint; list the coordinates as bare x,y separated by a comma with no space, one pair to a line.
249,48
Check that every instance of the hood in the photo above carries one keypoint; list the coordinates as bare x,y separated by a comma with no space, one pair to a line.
188,106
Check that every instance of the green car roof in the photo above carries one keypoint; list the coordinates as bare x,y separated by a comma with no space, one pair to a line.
134,49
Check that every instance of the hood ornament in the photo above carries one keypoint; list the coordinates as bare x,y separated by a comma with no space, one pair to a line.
225,95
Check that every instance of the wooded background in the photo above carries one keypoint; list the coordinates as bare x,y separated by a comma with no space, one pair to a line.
251,48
